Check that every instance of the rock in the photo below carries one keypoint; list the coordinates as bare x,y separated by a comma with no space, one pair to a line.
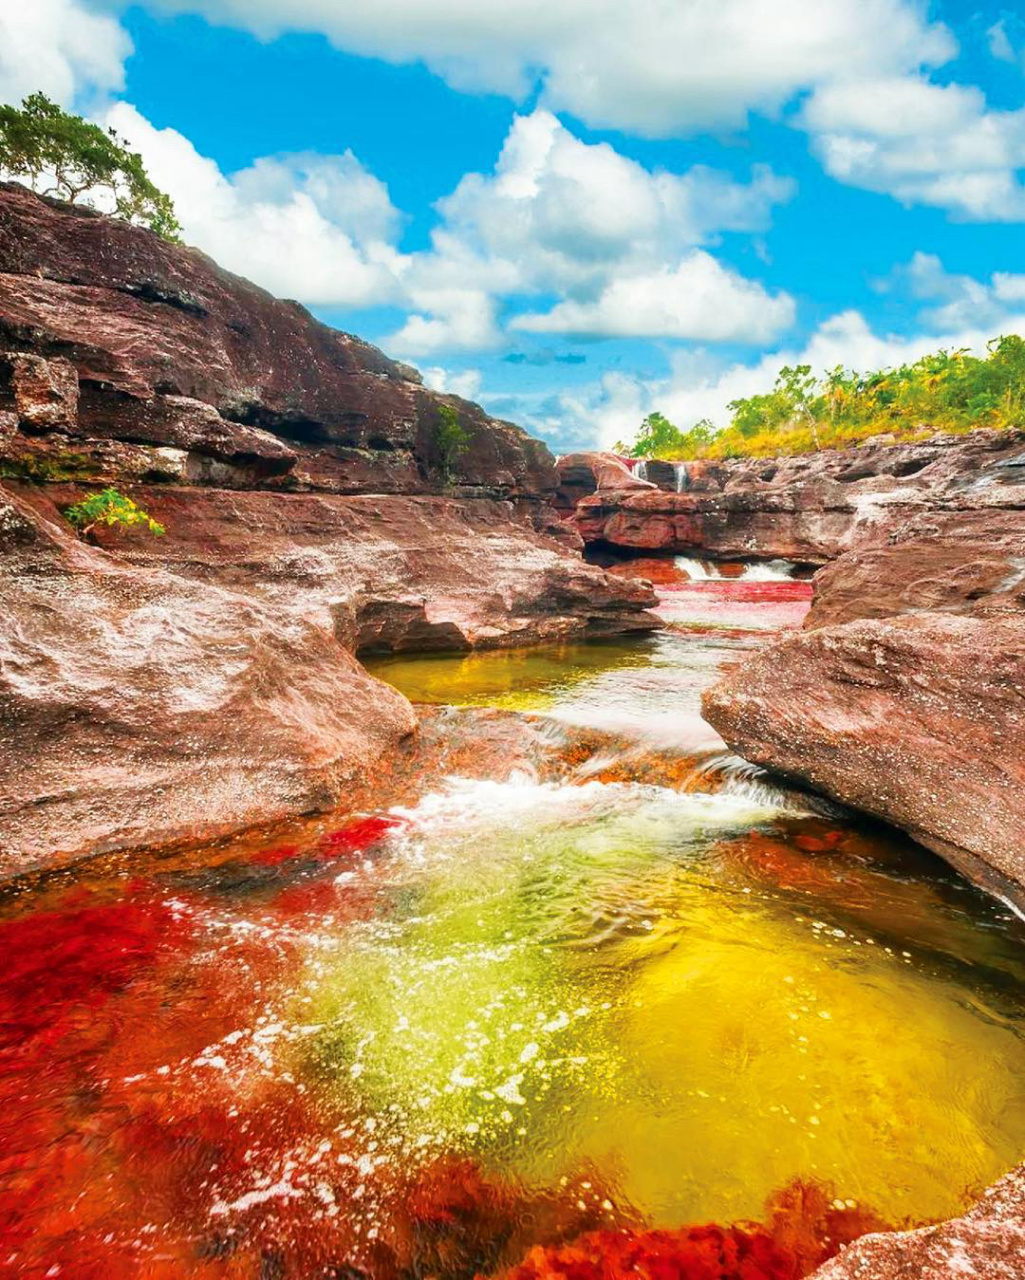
163,689
378,572
948,561
139,707
581,474
918,720
810,508
987,1243
141,319
45,392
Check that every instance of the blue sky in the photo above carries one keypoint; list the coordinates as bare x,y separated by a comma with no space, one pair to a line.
579,211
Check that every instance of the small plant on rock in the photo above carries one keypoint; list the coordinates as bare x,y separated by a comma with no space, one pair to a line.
112,509
451,439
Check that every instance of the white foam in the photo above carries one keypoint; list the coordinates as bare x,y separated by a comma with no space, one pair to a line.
755,571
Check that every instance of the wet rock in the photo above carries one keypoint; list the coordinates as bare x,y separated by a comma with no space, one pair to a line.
987,1243
142,707
918,720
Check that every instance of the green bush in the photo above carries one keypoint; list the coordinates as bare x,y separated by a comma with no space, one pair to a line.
62,155
948,391
113,509
451,439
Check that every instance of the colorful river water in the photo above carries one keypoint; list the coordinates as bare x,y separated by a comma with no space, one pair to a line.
615,1005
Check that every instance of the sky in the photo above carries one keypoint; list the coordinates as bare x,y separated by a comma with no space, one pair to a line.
579,211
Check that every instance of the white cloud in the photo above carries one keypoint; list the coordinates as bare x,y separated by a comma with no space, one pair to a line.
61,48
300,226
698,299
999,43
651,67
959,302
922,143
700,386
466,384
592,228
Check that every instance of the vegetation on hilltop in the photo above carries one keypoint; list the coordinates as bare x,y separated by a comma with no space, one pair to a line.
948,391
62,155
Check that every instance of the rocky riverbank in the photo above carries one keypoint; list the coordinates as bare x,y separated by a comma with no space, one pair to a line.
164,689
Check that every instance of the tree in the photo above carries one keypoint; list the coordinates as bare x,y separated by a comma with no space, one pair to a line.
450,438
65,156
112,509
657,438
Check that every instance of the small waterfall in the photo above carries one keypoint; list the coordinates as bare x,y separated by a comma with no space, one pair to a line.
681,476
757,571
641,469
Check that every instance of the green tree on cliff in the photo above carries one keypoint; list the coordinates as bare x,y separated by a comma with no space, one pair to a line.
62,155
451,439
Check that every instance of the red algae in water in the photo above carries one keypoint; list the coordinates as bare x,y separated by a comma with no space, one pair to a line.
805,1229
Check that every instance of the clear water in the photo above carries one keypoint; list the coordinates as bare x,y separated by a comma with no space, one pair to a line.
510,1013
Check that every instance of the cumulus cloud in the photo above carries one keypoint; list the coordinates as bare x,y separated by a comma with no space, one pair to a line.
313,228
61,48
466,384
700,386
922,143
611,241
698,299
649,67
959,302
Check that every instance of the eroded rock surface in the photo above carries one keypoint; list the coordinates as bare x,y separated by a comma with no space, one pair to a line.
987,1243
138,706
165,689
810,508
919,720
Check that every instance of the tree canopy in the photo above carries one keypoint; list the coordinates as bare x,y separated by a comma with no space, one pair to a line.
62,155
947,391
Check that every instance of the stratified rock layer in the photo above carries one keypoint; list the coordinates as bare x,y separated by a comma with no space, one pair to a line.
810,508
166,689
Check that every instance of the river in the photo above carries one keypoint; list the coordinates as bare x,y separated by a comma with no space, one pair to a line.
583,984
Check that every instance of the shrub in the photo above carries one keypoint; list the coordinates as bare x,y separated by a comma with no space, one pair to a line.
451,439
948,391
65,156
110,508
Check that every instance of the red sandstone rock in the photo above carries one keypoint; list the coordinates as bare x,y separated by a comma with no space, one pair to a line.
948,561
987,1243
138,707
917,719
141,319
809,508
45,392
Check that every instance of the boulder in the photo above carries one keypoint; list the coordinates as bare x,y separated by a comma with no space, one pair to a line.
141,707
918,720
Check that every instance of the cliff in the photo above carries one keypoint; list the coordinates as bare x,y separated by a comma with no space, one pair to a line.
164,689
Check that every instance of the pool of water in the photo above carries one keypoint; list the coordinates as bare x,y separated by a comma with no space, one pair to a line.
513,1024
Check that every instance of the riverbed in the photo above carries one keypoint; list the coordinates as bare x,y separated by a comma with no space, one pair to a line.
620,985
